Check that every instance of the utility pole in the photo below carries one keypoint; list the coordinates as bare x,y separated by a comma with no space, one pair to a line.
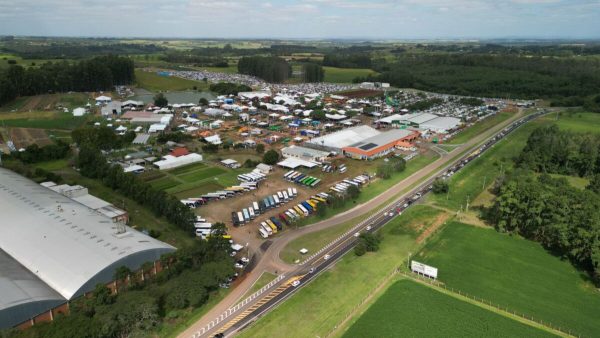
467,207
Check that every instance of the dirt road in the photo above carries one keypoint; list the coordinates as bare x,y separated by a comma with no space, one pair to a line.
268,260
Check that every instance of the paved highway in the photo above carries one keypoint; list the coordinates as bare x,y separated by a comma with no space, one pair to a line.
231,322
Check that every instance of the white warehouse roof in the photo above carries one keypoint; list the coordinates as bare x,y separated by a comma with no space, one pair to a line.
441,124
345,137
67,245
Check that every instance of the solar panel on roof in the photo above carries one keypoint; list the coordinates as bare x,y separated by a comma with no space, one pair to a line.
368,146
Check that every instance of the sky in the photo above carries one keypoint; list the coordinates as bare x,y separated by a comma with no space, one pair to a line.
318,19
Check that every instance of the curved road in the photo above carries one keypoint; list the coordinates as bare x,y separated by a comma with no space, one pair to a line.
269,260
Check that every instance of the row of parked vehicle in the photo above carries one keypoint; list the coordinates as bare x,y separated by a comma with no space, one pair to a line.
247,214
303,209
342,186
300,178
228,192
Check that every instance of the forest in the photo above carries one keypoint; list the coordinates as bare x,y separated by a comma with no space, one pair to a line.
492,75
269,68
531,203
97,74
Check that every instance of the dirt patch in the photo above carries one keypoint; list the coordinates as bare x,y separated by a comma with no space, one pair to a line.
435,225
23,137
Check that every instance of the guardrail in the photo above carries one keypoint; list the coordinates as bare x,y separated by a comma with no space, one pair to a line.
226,314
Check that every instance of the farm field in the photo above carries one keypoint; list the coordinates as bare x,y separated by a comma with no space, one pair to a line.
515,273
419,311
480,127
154,82
330,303
345,75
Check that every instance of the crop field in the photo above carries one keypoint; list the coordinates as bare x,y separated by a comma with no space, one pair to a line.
410,309
515,273
154,82
480,127
329,303
345,75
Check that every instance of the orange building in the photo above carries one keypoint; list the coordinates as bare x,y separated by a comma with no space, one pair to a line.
381,144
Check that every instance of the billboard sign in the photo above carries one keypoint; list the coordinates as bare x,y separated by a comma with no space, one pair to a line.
423,269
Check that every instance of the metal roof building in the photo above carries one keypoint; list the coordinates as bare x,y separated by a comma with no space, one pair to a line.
345,137
54,248
380,145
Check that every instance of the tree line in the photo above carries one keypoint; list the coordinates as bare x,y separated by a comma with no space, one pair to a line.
551,150
228,88
269,68
312,72
96,74
493,75
345,59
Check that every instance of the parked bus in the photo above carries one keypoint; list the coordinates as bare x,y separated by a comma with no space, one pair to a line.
263,233
241,217
272,225
251,213
256,208
267,228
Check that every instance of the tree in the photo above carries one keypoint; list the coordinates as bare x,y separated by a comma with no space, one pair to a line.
203,101
360,248
440,186
122,272
260,148
271,157
160,100
352,192
384,170
313,72
318,115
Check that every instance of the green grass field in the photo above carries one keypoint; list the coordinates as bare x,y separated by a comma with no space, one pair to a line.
154,82
514,273
409,309
339,289
202,174
480,127
345,75
164,183
577,182
577,122
44,120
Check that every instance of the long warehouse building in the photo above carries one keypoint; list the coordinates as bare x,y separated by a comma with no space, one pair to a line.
54,249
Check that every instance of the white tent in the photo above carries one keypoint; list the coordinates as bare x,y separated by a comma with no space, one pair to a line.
79,111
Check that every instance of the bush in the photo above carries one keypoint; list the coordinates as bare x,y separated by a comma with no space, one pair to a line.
440,186
271,157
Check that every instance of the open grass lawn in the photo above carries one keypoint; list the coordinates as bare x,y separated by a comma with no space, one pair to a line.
164,183
345,75
514,273
469,182
319,306
480,127
231,69
52,165
154,82
577,122
185,169
202,174
409,309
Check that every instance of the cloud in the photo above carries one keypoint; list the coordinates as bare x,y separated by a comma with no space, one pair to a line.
385,19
